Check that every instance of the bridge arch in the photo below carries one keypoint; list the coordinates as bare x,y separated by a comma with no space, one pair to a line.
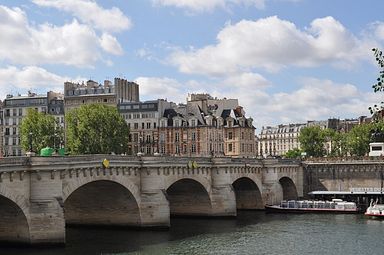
289,189
248,194
102,202
188,197
14,224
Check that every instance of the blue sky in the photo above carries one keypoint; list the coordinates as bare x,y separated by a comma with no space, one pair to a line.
287,61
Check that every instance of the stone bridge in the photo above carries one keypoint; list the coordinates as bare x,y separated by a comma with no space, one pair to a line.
40,195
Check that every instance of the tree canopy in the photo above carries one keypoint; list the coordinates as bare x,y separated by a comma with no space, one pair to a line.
41,130
294,153
312,141
96,129
379,85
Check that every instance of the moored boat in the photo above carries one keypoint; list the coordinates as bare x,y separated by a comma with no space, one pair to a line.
313,206
375,210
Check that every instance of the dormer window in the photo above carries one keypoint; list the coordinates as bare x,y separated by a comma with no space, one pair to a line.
193,123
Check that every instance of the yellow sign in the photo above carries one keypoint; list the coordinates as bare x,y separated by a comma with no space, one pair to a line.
192,164
105,163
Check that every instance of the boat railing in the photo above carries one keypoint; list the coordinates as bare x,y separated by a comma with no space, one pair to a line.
318,204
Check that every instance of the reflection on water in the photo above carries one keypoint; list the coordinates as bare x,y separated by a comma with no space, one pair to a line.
249,233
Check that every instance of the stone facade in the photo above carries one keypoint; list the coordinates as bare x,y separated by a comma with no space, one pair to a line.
207,126
143,122
15,108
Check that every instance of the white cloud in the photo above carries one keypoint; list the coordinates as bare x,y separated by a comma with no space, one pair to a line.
313,101
110,44
204,5
71,44
14,80
271,44
162,88
246,80
89,12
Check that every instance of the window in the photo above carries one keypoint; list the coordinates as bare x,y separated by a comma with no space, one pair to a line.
142,125
136,126
177,137
20,112
154,124
193,148
14,112
230,147
148,138
229,135
193,123
148,125
177,124
14,131
242,135
14,141
193,136
177,149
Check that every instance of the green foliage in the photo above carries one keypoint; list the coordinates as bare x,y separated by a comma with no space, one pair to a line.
96,129
312,141
379,85
294,153
43,131
358,139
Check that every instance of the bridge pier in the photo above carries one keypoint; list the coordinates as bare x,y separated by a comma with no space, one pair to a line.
223,201
46,215
154,206
47,224
223,195
154,209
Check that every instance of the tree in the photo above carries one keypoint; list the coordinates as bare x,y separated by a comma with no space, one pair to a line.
379,85
358,139
96,129
294,153
312,141
39,129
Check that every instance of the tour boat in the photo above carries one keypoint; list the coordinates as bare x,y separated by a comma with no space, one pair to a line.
375,210
313,206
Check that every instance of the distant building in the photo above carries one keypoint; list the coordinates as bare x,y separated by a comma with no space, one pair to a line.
143,122
207,126
14,109
77,94
276,141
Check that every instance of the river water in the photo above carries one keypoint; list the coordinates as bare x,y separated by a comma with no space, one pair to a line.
250,233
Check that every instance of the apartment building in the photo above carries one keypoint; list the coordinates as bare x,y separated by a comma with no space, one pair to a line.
207,126
14,109
143,122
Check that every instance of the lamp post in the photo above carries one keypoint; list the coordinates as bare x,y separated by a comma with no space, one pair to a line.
30,151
